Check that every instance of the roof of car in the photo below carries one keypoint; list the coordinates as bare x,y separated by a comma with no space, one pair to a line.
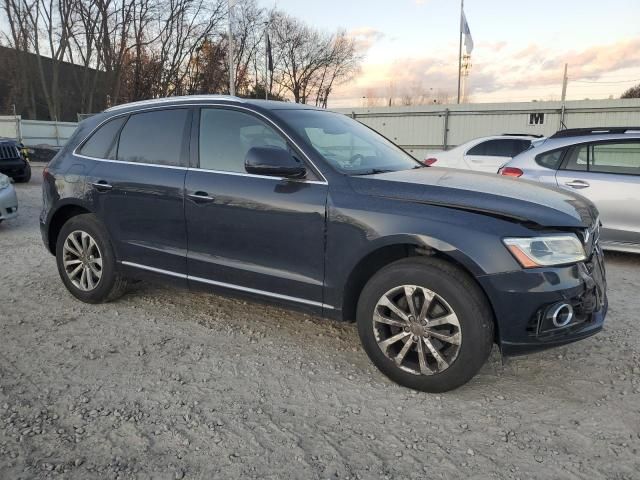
225,99
558,142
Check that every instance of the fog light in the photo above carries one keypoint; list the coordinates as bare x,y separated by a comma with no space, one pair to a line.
560,314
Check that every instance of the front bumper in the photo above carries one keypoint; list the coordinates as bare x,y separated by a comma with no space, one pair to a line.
8,203
522,300
13,167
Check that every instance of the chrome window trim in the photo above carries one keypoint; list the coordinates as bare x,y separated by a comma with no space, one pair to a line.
227,285
253,175
122,162
190,105
221,172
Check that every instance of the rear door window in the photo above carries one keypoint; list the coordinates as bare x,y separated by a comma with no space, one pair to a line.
578,158
500,148
608,157
154,137
103,142
621,158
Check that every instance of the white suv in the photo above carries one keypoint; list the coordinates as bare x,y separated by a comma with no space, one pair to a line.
602,164
485,154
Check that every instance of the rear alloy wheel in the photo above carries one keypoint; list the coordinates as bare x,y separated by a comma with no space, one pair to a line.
82,260
425,324
86,260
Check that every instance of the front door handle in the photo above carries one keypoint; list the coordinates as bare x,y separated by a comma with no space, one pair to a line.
102,186
200,197
577,184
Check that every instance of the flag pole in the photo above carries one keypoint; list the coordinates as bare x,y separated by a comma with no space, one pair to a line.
266,60
460,48
232,81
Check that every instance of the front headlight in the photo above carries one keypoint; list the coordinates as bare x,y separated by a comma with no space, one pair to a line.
4,181
546,251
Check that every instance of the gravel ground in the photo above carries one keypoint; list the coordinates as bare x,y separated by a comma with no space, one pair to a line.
172,384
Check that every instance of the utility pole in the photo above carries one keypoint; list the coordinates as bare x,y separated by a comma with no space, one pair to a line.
232,82
565,81
460,49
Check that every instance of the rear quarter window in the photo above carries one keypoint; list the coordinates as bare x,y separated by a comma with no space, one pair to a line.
551,159
102,143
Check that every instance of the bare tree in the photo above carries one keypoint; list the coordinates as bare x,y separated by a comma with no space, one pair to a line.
19,38
341,63
43,27
310,61
125,50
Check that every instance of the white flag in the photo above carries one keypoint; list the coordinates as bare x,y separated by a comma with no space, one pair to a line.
464,28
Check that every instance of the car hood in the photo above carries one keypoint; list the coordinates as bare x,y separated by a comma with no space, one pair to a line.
516,199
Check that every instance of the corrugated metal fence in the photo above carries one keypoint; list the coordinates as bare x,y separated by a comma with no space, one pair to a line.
419,129
36,132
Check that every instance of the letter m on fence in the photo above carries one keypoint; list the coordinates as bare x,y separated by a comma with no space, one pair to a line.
536,119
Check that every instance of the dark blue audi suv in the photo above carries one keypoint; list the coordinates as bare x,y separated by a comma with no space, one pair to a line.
308,208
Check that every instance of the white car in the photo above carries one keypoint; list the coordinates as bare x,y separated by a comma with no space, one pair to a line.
485,154
8,199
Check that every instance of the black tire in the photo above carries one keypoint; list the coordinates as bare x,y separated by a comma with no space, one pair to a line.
26,175
111,285
462,295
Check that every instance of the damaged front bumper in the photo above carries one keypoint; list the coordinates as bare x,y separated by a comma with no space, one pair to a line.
525,302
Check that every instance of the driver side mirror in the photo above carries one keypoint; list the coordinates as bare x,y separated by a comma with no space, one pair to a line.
273,162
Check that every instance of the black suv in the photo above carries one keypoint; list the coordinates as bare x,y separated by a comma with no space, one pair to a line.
13,160
312,209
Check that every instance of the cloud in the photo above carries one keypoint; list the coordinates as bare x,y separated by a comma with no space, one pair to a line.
497,67
365,37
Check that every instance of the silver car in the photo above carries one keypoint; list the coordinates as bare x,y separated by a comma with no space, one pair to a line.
8,199
602,164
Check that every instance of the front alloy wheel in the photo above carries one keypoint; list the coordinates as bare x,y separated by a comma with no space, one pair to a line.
417,329
82,260
425,323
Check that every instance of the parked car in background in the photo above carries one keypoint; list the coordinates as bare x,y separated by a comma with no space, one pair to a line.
309,208
14,161
8,199
485,154
602,164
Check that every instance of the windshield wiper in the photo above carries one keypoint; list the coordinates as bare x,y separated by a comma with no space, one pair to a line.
373,171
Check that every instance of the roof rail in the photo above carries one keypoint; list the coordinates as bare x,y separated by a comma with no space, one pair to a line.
178,98
522,135
576,132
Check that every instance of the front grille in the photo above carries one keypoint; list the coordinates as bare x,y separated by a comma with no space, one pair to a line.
9,152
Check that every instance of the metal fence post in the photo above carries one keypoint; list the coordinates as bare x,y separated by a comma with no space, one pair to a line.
18,121
55,125
445,136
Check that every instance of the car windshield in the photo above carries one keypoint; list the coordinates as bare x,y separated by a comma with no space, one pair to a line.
347,145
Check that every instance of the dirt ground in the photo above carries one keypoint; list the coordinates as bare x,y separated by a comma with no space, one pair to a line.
170,384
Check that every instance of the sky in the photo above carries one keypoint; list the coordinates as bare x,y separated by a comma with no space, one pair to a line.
410,47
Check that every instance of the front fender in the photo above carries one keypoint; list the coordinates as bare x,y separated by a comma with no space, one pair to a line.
358,227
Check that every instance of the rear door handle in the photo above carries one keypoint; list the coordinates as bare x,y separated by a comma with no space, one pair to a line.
102,186
577,184
200,197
